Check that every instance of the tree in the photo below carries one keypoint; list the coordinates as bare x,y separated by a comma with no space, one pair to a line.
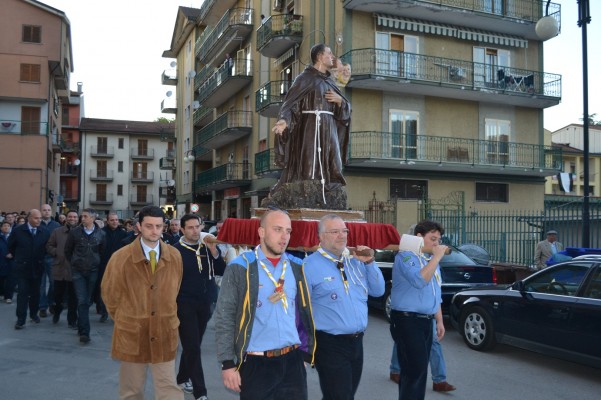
167,120
592,120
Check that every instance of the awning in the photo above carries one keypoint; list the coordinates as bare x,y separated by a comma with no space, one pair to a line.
415,25
284,57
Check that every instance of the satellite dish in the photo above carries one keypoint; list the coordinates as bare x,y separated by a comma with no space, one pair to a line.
169,93
173,64
191,74
196,104
77,162
170,182
476,253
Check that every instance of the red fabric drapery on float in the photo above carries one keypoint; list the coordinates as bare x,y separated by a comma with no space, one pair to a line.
304,234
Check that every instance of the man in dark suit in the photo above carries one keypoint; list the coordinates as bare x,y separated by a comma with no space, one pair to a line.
27,243
173,235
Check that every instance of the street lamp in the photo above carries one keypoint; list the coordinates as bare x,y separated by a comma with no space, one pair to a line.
544,25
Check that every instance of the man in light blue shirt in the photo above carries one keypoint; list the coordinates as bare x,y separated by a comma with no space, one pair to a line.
339,286
415,301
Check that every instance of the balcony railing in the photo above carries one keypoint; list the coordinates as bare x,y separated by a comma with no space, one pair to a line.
241,72
431,69
141,200
228,127
69,170
211,11
101,198
451,150
202,153
102,151
142,153
166,163
269,98
167,136
279,33
234,18
202,115
69,146
101,175
265,162
142,177
224,176
23,127
169,77
203,75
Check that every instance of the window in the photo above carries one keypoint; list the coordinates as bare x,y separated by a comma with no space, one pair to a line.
406,189
120,166
488,64
121,142
492,192
498,137
32,34
142,147
102,143
30,73
119,190
403,134
397,54
564,280
101,168
65,115
30,120
101,192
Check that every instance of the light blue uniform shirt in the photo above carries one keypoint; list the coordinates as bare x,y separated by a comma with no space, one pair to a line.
335,311
410,292
274,328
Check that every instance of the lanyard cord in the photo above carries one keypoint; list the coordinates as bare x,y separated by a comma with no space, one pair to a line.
198,261
279,285
339,264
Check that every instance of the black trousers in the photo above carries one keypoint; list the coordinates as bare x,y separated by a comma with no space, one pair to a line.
193,319
28,295
339,363
413,337
274,378
62,289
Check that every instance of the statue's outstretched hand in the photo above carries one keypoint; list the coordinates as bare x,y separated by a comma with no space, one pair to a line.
279,127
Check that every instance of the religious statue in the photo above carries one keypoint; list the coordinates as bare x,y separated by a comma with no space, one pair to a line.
312,136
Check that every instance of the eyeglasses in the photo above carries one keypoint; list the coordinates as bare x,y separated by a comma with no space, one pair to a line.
337,232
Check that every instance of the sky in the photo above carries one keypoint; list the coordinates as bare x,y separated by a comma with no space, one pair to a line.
117,50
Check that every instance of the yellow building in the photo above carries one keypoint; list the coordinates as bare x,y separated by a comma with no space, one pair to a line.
447,100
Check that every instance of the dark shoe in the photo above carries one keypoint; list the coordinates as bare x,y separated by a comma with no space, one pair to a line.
35,319
55,318
104,318
84,339
73,326
395,377
442,387
43,313
51,308
19,326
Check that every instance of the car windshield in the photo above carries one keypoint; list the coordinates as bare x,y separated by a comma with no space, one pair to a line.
456,258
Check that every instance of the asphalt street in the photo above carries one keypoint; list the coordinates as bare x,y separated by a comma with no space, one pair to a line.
47,362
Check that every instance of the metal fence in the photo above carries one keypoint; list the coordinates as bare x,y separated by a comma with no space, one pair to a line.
511,237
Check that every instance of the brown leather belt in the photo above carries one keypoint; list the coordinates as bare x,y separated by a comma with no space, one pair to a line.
273,353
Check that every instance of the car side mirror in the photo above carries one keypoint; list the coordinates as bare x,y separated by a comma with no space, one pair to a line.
519,286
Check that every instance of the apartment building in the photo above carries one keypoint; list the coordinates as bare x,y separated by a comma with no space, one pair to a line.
36,61
448,100
126,165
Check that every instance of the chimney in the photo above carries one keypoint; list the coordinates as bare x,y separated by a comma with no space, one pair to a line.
79,87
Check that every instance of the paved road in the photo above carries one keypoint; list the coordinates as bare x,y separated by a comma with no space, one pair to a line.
46,362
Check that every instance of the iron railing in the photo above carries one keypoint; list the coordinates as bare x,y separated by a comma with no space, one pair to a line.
101,198
141,152
102,151
279,25
265,162
227,120
460,73
232,17
224,173
23,127
240,67
270,93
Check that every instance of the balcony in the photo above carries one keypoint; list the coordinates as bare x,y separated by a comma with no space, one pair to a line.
225,82
223,177
202,153
203,116
101,175
24,127
102,151
169,77
265,164
167,193
139,153
70,197
142,177
369,149
140,200
269,98
232,29
69,146
167,136
400,72
101,199
168,106
518,17
69,171
227,128
202,76
279,33
211,11
166,163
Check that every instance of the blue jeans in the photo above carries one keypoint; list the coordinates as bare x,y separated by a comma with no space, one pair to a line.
438,367
47,298
84,283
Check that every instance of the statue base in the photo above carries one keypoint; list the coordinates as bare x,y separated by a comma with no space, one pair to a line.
305,195
312,214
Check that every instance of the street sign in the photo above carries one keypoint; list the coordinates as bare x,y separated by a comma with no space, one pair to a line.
194,208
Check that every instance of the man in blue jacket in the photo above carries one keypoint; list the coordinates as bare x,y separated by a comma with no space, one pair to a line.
27,243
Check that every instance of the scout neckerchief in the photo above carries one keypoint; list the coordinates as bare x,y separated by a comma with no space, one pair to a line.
278,293
339,264
198,261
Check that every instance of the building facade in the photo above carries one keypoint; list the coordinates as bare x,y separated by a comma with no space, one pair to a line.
126,165
447,99
36,62
70,160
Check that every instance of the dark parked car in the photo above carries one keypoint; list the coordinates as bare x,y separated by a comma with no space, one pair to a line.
457,269
556,311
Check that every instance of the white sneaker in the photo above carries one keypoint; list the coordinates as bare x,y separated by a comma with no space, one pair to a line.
186,387
203,398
